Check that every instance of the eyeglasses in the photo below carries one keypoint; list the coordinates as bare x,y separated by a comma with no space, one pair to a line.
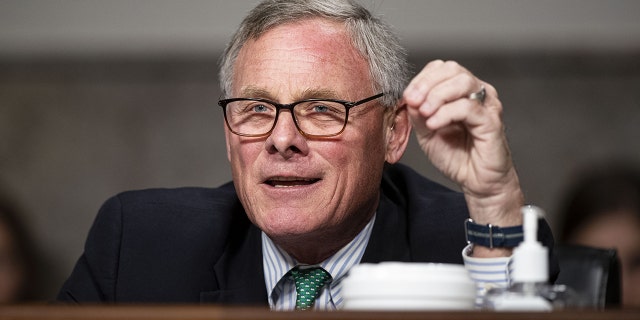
250,117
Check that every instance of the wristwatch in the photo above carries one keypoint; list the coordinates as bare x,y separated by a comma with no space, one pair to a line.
492,236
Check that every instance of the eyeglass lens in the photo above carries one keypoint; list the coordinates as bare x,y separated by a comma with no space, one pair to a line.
250,117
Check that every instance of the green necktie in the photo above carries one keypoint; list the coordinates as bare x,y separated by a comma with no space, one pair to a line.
309,282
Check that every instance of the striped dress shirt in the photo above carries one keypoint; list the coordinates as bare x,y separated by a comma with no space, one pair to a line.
281,288
281,291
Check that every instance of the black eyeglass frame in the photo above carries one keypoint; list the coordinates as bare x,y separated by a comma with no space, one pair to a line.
279,106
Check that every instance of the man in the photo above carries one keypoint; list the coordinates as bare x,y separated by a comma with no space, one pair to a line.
317,115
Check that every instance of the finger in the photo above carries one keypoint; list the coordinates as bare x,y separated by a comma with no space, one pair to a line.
479,95
434,72
492,100
418,122
452,89
420,94
465,111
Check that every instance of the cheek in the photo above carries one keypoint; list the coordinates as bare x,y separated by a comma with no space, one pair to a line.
364,154
374,143
242,150
242,156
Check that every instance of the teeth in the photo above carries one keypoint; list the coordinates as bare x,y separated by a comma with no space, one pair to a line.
290,179
286,182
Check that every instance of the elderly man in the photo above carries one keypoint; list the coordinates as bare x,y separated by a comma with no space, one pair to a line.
318,113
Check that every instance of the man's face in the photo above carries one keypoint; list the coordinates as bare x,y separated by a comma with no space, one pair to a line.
291,186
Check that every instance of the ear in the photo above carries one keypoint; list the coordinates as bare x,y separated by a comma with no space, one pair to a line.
398,132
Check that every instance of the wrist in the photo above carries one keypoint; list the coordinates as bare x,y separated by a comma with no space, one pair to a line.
484,252
502,209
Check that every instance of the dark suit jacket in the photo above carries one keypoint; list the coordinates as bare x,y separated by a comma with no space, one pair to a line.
197,245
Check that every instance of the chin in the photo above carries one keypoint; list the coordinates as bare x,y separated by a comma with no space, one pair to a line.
288,224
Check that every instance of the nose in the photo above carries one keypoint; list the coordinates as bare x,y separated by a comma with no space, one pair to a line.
285,139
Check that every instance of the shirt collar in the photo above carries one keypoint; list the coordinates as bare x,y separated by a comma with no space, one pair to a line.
276,262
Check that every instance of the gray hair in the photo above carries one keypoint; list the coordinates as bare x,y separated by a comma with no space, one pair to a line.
371,36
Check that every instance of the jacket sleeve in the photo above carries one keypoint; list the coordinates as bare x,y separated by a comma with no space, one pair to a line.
94,276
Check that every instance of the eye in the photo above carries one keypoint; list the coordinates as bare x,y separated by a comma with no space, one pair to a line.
320,108
259,108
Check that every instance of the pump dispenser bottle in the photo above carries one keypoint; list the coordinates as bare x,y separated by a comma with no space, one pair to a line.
530,290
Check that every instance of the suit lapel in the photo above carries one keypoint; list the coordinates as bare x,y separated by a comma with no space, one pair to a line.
239,271
389,240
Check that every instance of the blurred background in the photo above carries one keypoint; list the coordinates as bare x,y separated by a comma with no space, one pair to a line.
97,97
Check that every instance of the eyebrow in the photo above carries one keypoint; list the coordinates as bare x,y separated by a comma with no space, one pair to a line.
255,92
317,94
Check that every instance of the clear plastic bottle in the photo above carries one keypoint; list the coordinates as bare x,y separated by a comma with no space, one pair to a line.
530,290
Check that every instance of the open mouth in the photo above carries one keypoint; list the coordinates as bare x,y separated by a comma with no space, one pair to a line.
286,182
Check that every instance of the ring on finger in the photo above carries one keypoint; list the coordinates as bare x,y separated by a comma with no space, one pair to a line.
479,95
